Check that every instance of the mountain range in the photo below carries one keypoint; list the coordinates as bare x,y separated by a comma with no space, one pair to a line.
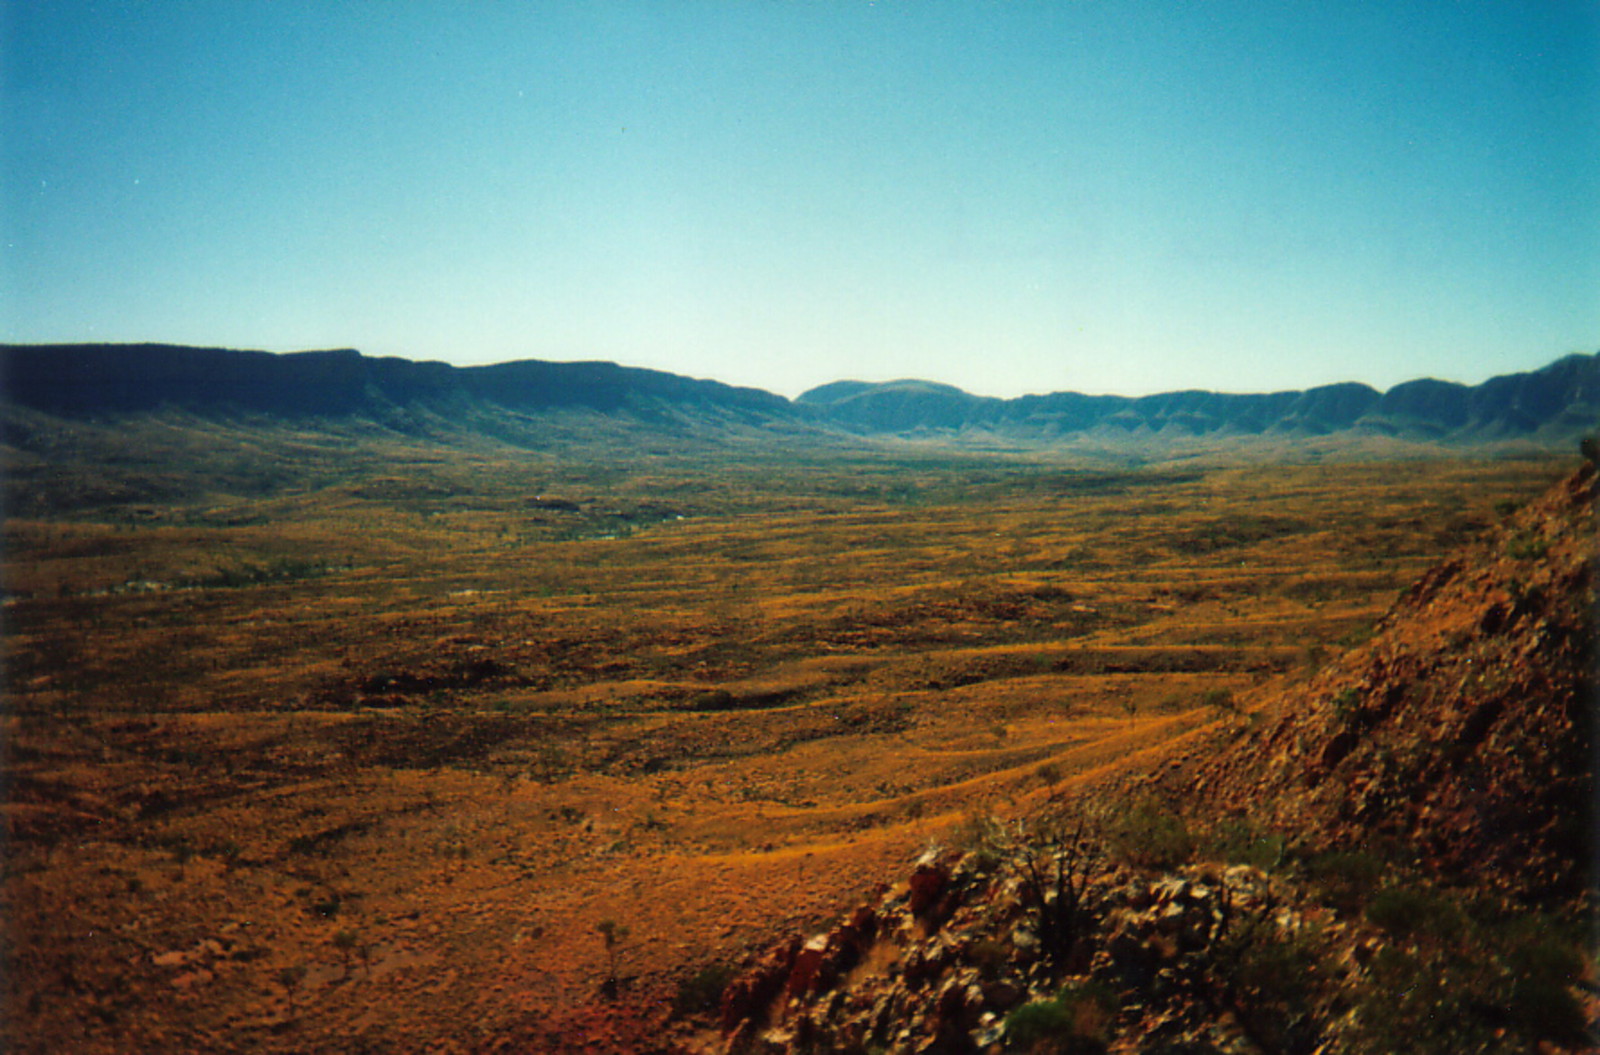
1544,408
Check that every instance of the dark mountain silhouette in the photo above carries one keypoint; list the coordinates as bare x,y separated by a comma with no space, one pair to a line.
1550,407
120,379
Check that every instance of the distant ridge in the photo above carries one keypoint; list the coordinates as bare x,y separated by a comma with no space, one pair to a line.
1549,407
1552,405
79,379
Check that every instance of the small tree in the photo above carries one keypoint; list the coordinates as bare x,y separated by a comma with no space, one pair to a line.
290,978
1056,869
613,934
345,941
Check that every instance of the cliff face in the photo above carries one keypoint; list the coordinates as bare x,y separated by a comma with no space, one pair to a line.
1394,854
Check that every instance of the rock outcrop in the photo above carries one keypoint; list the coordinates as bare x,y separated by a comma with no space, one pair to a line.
1464,729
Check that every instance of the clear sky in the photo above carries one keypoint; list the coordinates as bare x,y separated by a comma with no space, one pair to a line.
1011,197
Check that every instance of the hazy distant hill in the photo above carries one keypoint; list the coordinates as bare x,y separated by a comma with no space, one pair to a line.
1553,406
1550,407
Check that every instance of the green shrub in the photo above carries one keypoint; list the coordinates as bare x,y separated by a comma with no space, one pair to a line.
1034,1026
1413,912
1543,967
1525,545
1468,985
702,991
1073,1024
1240,841
1346,704
1274,979
1413,1004
1347,878
1150,834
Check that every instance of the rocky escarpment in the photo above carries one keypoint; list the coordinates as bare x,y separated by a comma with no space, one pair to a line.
1463,731
1393,855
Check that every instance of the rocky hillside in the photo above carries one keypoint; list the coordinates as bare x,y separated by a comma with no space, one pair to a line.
1393,855
1462,732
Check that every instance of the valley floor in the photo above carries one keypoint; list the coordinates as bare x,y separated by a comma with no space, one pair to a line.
373,765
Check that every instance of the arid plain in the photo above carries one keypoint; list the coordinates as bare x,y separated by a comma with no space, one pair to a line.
365,758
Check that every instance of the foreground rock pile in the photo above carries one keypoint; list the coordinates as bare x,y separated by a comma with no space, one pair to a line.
944,962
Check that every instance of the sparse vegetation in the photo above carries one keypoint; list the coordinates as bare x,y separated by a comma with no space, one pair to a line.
701,991
1058,859
347,943
397,698
1150,833
290,978
1053,1027
1219,699
1527,545
1237,840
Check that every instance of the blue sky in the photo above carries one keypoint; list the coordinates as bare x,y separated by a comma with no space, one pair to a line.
1010,197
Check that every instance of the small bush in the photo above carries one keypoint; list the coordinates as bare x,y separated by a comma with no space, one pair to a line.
1346,704
1092,1007
1411,1004
1241,842
1467,984
1037,1026
1073,1024
1274,979
1525,545
1347,878
1541,968
984,837
712,700
1151,835
1412,912
702,991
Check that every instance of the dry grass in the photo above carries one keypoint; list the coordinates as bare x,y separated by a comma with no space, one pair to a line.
443,713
